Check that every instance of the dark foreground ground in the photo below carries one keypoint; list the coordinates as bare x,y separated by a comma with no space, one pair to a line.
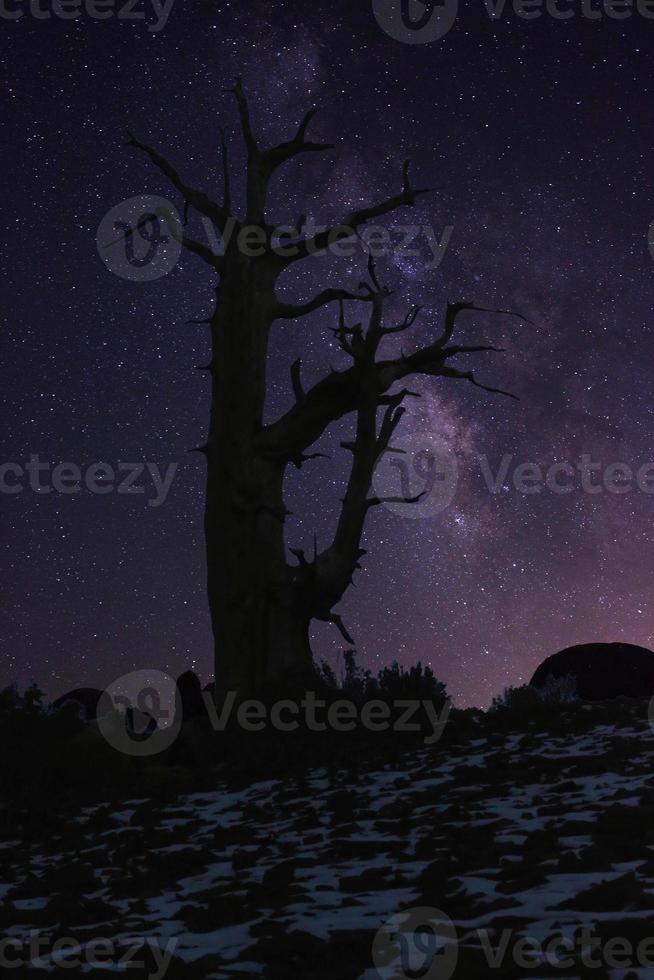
290,875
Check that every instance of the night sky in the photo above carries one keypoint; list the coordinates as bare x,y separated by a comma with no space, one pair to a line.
536,134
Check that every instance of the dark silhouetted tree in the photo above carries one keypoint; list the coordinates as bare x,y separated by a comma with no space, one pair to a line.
262,602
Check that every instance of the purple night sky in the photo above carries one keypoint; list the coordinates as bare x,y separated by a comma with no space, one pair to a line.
537,137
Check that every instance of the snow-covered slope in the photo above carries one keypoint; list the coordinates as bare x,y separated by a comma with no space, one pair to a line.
292,878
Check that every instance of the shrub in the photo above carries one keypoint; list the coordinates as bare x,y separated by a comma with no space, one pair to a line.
392,683
532,703
559,690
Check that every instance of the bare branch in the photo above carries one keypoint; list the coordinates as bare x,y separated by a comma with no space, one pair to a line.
477,349
244,113
353,221
376,501
339,624
289,311
196,199
227,184
300,555
469,376
453,310
166,216
342,332
299,461
262,164
406,324
335,567
302,129
405,392
296,380
203,251
372,272
339,393
276,155
392,418
363,388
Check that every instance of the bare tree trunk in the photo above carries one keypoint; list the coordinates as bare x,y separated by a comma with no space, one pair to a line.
261,604
260,634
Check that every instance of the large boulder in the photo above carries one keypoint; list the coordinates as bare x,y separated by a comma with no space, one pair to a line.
602,670
86,699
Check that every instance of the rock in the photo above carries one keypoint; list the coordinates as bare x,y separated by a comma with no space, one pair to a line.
86,699
603,671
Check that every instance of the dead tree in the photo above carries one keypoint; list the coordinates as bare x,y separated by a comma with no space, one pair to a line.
261,601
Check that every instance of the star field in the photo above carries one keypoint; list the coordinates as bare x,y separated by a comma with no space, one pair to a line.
537,137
